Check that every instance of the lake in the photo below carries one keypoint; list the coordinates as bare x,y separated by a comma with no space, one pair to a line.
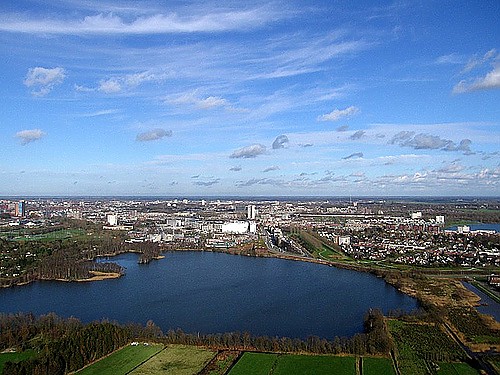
479,226
487,304
213,293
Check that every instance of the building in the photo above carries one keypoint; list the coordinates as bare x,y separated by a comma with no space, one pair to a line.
440,219
112,219
237,227
251,212
20,209
416,215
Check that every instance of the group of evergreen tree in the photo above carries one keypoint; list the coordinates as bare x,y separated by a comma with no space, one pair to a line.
63,345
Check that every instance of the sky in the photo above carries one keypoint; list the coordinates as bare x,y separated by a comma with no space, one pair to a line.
253,98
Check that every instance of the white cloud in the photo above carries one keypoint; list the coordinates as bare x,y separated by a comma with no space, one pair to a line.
357,135
280,142
424,141
211,102
111,23
104,112
137,79
338,114
208,102
353,156
28,136
488,82
207,183
110,86
271,168
478,61
153,135
43,80
451,59
248,152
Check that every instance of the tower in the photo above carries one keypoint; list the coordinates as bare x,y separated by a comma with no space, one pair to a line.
251,212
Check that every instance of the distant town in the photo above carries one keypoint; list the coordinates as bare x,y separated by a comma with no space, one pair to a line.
433,234
432,249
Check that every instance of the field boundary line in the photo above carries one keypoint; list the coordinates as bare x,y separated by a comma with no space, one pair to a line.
143,362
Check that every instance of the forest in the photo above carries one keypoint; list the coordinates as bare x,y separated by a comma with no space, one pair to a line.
66,259
65,345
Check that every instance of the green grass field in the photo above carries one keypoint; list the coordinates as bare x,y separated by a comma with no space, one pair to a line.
15,357
377,366
121,361
176,360
315,365
55,235
291,364
254,364
456,369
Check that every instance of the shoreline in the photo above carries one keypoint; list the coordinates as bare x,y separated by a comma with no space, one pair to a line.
401,280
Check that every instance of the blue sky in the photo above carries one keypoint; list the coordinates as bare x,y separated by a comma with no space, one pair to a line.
320,98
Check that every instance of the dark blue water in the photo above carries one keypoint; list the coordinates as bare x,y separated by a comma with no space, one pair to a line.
489,306
479,226
212,293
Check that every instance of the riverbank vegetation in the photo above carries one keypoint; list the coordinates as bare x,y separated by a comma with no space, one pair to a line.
66,345
67,255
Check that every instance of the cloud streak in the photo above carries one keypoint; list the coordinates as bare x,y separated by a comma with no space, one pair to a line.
172,23
272,168
338,114
353,156
153,135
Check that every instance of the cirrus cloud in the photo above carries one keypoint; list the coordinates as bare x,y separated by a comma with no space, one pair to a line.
172,23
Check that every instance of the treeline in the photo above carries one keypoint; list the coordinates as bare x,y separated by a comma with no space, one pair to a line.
375,340
65,345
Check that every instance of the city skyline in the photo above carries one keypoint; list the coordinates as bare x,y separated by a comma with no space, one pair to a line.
253,99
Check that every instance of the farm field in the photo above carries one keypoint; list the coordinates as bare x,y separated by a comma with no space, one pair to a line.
421,345
377,366
176,360
291,364
315,365
254,364
456,369
15,357
121,361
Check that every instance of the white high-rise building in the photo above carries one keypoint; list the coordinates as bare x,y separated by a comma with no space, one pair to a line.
440,219
416,215
251,212
112,219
